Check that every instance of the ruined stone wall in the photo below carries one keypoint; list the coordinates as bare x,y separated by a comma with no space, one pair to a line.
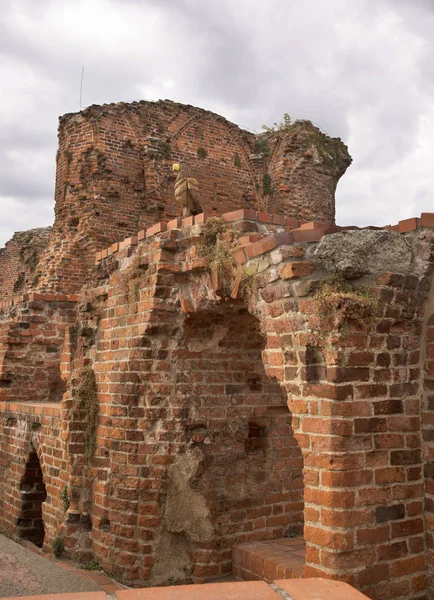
194,450
114,177
354,394
19,259
427,407
304,167
32,336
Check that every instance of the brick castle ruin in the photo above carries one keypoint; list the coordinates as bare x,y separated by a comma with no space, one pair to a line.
247,390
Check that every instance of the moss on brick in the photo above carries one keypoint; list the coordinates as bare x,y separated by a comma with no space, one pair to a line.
86,408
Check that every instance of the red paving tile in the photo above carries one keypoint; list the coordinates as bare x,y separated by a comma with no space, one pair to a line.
242,590
111,588
319,589
303,589
70,596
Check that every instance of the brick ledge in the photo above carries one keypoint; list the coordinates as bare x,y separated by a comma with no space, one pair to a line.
296,231
48,409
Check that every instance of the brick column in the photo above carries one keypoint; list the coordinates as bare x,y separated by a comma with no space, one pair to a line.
428,428
359,429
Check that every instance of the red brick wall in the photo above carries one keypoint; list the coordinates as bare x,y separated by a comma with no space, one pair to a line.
40,428
18,261
32,336
355,412
369,461
251,476
305,166
192,433
224,185
170,404
428,427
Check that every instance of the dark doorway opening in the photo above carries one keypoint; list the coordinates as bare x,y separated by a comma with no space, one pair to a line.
30,525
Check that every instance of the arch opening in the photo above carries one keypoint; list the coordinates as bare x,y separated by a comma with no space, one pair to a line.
30,525
251,466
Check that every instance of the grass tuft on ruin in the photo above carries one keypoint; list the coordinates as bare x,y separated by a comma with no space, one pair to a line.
217,251
92,565
64,497
58,547
337,302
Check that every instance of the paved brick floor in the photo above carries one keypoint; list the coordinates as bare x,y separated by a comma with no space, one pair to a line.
26,570
298,589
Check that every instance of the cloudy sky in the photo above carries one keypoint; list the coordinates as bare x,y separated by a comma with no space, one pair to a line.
361,69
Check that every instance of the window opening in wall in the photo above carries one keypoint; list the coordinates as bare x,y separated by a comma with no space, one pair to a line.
30,525
256,439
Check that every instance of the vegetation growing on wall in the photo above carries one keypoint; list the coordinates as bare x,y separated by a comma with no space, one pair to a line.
131,279
65,499
86,408
92,565
337,302
217,249
19,282
331,150
267,187
262,146
58,547
283,126
161,127
202,153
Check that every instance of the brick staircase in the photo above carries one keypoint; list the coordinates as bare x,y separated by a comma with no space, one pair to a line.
282,558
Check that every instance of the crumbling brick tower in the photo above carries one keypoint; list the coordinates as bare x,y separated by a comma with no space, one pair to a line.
163,406
114,177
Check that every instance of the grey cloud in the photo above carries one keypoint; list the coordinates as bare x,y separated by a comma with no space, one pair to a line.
360,70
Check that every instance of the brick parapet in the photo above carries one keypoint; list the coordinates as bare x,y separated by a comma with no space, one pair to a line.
45,409
289,231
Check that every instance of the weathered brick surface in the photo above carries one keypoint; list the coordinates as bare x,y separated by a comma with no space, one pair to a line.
114,178
32,341
19,259
34,429
308,165
196,449
427,407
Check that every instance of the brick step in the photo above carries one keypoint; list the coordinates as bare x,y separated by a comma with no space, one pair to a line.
282,558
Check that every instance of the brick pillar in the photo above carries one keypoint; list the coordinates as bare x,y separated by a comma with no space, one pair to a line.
358,413
428,428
